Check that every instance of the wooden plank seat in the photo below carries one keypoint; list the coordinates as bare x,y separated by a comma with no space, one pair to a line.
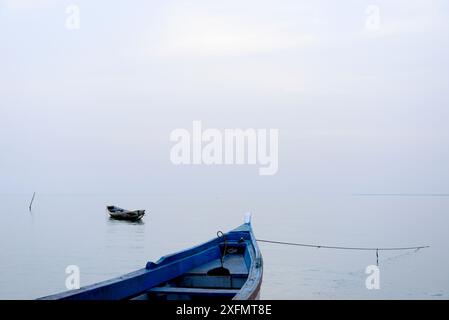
193,291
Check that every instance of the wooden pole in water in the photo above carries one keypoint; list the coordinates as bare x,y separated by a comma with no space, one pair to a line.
32,199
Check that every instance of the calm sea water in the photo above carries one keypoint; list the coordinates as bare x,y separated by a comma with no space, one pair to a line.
62,230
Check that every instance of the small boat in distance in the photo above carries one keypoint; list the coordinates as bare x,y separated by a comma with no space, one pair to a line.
227,267
122,214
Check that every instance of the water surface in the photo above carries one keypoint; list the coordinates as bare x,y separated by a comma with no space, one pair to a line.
62,230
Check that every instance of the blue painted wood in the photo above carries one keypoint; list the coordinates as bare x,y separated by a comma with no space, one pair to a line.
251,288
193,291
235,263
175,265
223,282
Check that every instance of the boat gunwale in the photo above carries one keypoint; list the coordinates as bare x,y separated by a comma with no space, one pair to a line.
251,289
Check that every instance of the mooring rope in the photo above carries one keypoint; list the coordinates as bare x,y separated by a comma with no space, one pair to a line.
341,247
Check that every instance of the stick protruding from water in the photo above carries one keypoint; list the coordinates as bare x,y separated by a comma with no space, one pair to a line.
32,200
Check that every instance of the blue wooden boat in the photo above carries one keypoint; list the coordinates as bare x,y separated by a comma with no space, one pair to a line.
227,267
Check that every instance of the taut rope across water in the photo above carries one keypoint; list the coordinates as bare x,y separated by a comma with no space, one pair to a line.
341,247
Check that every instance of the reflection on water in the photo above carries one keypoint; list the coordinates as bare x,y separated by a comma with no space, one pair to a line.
115,221
125,235
36,246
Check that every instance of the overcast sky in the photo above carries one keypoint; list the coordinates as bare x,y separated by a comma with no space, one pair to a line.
359,108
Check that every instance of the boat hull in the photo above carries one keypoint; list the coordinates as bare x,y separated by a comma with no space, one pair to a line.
122,214
189,275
